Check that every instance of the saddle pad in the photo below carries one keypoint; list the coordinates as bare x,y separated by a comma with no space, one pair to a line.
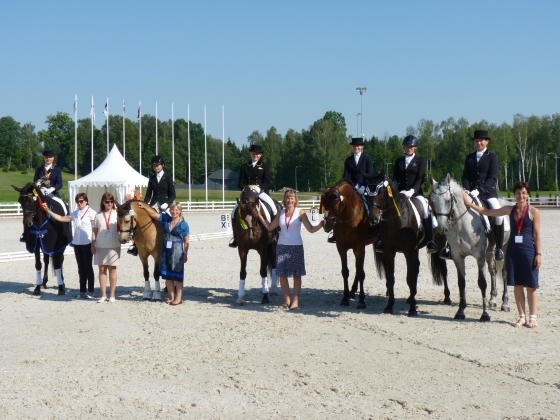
265,211
415,203
485,218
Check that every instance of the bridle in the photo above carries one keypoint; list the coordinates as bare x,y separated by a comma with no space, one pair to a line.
248,206
134,228
340,209
384,186
450,214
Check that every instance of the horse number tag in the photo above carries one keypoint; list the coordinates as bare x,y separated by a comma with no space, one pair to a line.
109,234
131,212
385,183
169,244
518,239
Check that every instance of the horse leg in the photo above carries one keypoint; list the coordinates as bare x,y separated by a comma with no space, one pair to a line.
491,263
485,317
147,289
460,265
345,273
263,272
505,298
58,259
412,270
272,263
360,254
242,275
446,292
389,263
46,259
38,280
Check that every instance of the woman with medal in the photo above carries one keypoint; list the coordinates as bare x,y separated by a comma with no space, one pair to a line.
290,260
174,254
82,218
523,257
105,246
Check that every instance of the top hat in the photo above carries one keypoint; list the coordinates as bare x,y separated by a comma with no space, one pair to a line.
48,152
357,141
256,148
481,134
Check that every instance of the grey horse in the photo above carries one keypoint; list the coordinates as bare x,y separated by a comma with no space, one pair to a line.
466,235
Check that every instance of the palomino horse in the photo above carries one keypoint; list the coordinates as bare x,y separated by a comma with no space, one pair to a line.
399,230
135,223
346,216
251,234
466,236
43,233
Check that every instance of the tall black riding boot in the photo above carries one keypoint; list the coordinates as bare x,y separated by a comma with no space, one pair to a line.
499,235
429,232
233,242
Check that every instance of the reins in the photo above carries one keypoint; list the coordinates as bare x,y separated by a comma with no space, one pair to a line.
336,218
452,220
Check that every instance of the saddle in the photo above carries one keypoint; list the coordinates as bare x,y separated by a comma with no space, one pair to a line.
489,222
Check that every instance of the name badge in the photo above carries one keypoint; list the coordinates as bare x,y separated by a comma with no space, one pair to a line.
109,234
169,244
518,239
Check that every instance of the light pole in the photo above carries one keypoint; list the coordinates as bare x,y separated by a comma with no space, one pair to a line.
555,172
387,165
361,91
357,127
295,174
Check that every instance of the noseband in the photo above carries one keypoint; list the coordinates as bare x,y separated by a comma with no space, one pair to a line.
132,231
450,214
336,218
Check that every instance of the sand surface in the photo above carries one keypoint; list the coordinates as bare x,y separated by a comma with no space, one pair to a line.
66,358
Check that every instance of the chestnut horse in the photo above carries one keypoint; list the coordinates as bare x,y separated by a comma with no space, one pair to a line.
135,223
251,234
346,216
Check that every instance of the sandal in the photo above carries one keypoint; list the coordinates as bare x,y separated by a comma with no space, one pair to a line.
284,306
532,322
520,322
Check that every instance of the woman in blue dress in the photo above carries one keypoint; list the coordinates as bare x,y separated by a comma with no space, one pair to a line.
523,257
175,250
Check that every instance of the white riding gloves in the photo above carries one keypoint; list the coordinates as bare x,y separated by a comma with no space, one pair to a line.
47,191
408,193
164,206
474,193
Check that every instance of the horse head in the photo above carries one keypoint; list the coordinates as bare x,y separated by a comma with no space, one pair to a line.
30,199
248,203
443,202
126,221
335,201
385,198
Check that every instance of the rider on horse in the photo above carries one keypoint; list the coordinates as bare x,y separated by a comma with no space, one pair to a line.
48,178
256,175
408,173
354,165
160,193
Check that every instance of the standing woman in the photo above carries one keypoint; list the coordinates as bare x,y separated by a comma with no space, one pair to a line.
82,218
175,250
290,261
523,257
105,245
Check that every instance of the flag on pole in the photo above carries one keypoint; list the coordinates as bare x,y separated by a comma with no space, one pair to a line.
106,111
76,104
123,107
92,111
139,110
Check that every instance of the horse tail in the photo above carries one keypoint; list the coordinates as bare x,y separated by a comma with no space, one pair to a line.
438,267
379,264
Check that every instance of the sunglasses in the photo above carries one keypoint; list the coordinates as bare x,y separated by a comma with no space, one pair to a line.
80,201
108,202
291,191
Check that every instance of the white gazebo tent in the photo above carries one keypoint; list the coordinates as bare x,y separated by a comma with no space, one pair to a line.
114,175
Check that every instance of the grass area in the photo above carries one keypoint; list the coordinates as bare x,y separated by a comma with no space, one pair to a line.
9,195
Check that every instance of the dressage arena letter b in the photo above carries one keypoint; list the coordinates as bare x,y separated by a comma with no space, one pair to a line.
225,223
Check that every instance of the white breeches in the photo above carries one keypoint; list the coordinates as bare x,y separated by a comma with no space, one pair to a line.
496,205
424,202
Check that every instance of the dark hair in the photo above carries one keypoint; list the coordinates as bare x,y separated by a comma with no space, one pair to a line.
105,197
519,185
81,196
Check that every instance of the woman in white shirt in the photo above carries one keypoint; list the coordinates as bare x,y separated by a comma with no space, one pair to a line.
290,261
83,220
105,246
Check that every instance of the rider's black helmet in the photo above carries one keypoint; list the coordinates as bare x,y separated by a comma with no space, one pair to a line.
410,140
158,160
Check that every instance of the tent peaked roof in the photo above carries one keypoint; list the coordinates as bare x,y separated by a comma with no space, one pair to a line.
114,170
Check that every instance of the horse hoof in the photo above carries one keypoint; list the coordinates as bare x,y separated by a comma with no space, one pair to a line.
239,304
265,298
485,318
505,308
388,311
412,313
361,306
492,305
37,291
61,290
344,303
44,285
273,294
156,297
447,301
352,295
147,295
459,316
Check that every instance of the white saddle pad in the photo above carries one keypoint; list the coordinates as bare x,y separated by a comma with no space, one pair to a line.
418,218
487,221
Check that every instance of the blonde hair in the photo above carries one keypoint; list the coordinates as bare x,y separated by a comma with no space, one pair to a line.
287,193
179,206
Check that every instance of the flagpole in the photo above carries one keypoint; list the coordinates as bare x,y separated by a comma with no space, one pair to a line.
156,131
172,142
223,160
123,129
92,113
107,115
189,148
205,159
75,137
140,138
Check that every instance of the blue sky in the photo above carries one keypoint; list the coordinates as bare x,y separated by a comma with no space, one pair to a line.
282,64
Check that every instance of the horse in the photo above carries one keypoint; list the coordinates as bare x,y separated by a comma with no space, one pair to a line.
251,234
399,229
135,223
465,231
43,233
346,216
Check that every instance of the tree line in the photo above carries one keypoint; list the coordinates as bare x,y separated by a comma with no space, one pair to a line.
312,157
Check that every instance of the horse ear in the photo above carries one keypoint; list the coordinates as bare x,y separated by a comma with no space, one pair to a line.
238,203
16,188
448,179
324,190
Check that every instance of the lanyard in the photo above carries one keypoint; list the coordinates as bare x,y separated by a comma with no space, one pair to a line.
84,215
286,218
107,219
520,222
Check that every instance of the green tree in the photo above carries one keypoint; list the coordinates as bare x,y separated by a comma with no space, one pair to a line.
10,137
59,136
30,144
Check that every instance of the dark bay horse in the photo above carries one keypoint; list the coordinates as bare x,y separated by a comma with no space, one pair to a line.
43,233
346,216
251,234
399,230
135,223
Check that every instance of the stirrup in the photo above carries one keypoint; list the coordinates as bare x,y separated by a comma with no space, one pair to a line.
22,237
499,254
431,247
331,239
132,251
445,253
233,243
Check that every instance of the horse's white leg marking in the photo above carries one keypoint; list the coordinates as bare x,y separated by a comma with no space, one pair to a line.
39,279
147,291
58,273
264,285
157,292
240,293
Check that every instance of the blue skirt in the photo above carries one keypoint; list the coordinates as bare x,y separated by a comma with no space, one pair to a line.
290,261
